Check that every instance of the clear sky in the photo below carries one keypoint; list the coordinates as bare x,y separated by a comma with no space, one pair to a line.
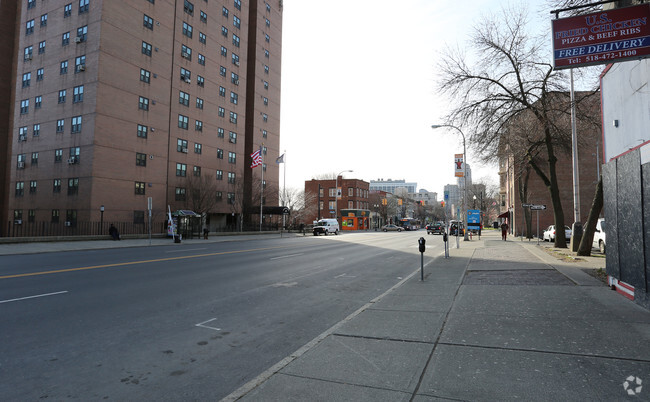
358,89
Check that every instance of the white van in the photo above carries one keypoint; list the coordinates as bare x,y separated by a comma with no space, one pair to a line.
326,226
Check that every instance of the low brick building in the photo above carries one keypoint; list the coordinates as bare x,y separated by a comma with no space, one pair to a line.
354,196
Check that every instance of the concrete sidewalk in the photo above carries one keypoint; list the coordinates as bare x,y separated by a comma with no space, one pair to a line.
496,321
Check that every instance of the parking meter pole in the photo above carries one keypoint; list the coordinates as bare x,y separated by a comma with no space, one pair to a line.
421,244
538,227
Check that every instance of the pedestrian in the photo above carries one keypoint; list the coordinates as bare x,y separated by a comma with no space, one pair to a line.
205,233
504,231
113,232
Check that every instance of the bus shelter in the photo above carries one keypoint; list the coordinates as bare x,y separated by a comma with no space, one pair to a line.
355,219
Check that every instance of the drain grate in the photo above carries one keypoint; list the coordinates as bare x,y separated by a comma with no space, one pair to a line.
528,277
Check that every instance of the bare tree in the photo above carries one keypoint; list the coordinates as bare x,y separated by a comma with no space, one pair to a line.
300,204
512,82
202,190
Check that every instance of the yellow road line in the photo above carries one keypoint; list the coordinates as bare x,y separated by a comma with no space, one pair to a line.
58,271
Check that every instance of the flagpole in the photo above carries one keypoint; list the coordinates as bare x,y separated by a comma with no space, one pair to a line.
262,186
284,189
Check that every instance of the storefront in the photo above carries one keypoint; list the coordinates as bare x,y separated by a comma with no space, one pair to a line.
355,219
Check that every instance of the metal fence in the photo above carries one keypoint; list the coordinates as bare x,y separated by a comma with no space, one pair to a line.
50,229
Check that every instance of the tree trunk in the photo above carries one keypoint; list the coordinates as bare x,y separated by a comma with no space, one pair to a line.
588,235
523,197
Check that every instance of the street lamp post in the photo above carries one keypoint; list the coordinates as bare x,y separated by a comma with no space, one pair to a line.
466,238
336,215
101,219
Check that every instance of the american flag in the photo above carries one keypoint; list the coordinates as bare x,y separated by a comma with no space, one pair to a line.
257,158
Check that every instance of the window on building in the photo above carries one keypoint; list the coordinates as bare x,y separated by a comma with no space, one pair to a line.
78,94
235,40
64,67
58,155
231,178
188,7
56,186
146,48
200,81
80,64
24,106
143,103
181,145
265,117
221,111
236,22
234,98
73,185
140,159
40,74
235,59
186,75
181,169
224,31
145,75
60,125
219,174
232,157
65,39
74,155
265,134
29,51
203,17
147,22
238,4
41,47
138,216
231,198
186,52
234,78
232,137
202,38
222,71
224,12
20,188
143,131
266,69
38,102
201,59
34,160
76,125
267,22
198,125
196,171
199,103
184,98
218,195
220,132
224,51
219,153
267,38
31,215
27,79
82,33
29,27
222,91
180,193
198,148
187,29
183,121
67,10
84,6
233,117
139,189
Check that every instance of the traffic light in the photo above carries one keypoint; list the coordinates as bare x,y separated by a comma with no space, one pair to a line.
442,203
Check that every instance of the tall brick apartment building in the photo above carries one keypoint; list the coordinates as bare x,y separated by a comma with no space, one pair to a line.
116,101
511,169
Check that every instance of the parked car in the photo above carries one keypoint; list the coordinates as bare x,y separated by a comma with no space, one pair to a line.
549,233
453,228
599,236
391,228
437,227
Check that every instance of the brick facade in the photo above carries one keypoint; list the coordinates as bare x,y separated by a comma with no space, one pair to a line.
354,195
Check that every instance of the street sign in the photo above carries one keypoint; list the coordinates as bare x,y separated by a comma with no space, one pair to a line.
526,205
537,207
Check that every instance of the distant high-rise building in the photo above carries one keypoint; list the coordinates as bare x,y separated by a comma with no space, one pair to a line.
391,186
118,101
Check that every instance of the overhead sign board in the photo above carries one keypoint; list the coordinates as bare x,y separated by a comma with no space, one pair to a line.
601,38
458,164
537,207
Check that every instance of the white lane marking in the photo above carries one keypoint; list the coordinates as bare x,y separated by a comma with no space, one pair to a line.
202,325
33,297
286,256
284,284
344,276
186,249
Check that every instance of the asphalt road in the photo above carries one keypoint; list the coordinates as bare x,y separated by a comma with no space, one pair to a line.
182,322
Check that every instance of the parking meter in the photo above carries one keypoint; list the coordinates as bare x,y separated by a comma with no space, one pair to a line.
421,243
444,237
